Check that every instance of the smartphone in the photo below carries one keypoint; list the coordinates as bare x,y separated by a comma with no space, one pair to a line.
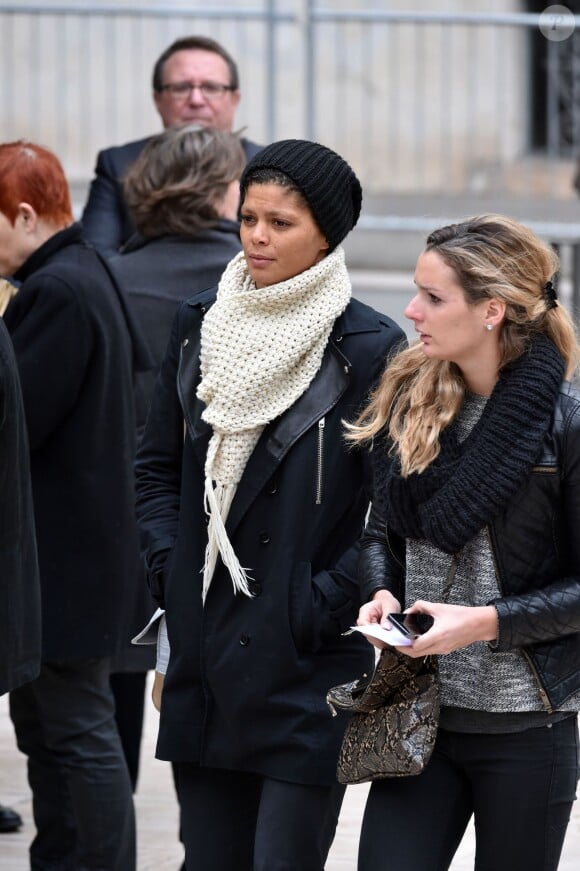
412,625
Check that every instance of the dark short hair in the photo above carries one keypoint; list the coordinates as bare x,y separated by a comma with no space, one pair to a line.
267,175
180,177
201,43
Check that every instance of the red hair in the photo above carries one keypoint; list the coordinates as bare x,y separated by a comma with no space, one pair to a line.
32,174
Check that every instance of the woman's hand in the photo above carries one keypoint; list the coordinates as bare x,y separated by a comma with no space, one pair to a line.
455,626
375,611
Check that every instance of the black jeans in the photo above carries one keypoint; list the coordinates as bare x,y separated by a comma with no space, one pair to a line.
128,688
520,787
232,821
81,791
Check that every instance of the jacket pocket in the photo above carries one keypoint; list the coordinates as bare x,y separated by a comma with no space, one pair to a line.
300,606
319,610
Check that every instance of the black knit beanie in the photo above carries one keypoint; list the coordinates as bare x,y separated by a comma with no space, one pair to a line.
326,181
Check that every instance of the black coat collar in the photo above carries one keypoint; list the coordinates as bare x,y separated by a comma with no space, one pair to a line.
356,318
38,258
222,225
73,235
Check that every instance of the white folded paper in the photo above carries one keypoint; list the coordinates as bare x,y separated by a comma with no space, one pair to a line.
389,636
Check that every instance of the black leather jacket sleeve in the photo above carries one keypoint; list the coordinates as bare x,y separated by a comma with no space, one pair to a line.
382,554
550,608
538,603
535,543
540,615
528,618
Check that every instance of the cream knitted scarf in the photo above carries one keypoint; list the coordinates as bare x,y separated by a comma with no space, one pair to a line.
260,349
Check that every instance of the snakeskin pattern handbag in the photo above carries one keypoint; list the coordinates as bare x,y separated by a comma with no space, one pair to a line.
394,720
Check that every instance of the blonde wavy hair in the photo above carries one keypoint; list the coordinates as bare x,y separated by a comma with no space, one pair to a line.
493,257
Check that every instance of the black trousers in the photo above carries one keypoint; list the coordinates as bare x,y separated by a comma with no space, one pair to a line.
81,791
128,688
520,787
234,821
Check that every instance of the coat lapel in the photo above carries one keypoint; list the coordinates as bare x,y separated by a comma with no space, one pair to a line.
325,390
187,380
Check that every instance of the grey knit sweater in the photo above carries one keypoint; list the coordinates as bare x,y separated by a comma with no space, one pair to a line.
474,678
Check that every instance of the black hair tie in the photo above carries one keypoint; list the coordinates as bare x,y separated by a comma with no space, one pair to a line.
550,294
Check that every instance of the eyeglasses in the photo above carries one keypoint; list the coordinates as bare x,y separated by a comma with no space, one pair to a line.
183,90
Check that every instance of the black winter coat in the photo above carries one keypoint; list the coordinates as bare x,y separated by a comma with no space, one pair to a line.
156,275
19,581
106,219
247,678
536,549
72,338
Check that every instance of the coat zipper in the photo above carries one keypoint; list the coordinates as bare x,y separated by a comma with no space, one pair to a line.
543,694
320,461
541,690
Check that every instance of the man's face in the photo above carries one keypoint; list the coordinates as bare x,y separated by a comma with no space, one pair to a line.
196,67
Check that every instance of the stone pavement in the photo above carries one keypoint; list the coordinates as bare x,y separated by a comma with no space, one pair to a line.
159,849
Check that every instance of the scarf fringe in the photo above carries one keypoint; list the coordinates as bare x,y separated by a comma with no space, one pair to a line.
218,501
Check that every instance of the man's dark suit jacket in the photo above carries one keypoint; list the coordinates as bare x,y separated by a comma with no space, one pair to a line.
106,220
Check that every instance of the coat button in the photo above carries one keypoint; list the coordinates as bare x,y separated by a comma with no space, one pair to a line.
272,488
185,343
264,538
255,588
244,640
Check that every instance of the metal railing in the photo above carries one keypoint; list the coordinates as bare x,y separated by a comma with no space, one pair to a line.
423,104
446,101
417,101
564,236
77,76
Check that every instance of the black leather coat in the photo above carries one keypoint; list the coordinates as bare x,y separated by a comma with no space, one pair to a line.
535,543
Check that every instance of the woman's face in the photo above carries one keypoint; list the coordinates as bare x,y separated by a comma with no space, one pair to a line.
448,327
279,236
16,240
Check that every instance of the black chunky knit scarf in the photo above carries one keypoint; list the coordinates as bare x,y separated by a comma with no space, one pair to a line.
469,482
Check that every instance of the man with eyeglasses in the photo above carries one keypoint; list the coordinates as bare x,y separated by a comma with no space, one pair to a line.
195,81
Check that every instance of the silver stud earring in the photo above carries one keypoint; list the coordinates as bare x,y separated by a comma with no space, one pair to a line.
489,326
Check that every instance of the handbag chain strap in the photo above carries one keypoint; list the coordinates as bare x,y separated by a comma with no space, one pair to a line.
451,576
